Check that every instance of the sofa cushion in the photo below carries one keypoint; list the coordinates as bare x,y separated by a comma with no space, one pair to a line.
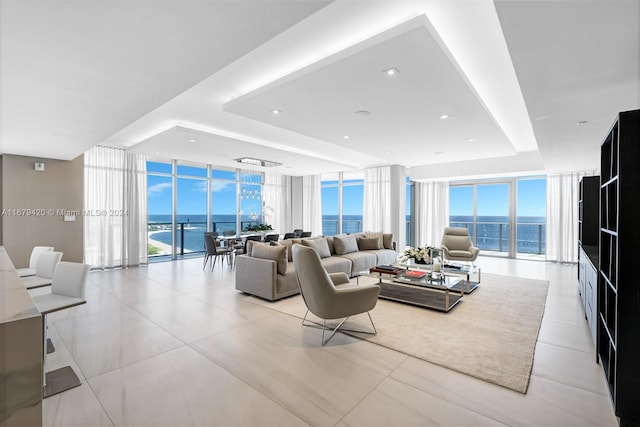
276,253
286,243
361,261
385,256
369,243
320,245
336,264
345,244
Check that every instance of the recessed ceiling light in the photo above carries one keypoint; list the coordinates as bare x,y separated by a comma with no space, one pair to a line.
362,113
346,137
439,152
391,71
471,140
444,116
387,152
582,122
276,111
191,140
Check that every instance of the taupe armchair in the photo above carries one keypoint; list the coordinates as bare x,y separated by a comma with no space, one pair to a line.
323,299
457,246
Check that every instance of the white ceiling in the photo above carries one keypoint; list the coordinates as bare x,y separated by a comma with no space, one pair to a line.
515,76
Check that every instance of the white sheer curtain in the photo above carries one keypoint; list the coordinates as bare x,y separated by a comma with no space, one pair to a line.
432,212
115,199
274,202
377,199
312,204
562,216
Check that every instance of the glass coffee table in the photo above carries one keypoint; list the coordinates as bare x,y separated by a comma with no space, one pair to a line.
421,290
463,271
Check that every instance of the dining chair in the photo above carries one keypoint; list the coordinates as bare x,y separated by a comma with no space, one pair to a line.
213,252
271,238
33,261
45,269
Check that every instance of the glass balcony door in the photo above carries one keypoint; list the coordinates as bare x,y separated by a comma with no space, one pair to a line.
493,218
505,217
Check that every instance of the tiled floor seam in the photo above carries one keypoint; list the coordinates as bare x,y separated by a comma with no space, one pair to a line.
250,385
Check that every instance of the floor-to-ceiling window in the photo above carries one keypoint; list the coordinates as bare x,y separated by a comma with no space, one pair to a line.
191,219
409,212
160,207
223,200
330,193
342,202
181,196
504,217
532,216
352,202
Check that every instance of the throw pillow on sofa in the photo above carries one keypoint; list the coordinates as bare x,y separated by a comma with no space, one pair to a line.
345,244
377,235
387,240
287,244
368,243
320,245
275,253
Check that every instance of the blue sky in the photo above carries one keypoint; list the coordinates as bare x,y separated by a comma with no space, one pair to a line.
493,199
192,197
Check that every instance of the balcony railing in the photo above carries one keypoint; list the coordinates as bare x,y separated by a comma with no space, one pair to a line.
330,226
494,236
190,237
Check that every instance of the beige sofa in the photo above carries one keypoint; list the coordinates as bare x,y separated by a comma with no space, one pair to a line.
267,271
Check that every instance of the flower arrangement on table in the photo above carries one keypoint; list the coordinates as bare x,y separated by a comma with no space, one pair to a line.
422,255
259,227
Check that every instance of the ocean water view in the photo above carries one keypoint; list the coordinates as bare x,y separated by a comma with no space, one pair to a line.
190,230
492,231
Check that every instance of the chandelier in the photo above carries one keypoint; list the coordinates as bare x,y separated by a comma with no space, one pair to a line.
250,184
251,179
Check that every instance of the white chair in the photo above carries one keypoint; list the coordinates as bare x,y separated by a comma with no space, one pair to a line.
67,290
33,261
45,268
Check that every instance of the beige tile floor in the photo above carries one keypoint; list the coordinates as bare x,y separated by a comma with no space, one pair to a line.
173,345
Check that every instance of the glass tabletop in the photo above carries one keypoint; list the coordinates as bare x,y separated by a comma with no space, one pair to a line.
446,268
426,279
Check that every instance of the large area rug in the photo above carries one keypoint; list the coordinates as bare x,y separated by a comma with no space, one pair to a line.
490,335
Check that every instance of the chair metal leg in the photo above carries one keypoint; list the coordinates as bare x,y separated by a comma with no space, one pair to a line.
324,323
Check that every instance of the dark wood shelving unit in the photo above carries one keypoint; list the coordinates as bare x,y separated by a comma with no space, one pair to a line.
588,235
618,279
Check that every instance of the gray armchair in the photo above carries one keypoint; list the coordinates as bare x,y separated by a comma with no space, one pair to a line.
457,246
323,299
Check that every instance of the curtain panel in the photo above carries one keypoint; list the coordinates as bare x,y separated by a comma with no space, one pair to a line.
377,200
274,198
431,212
562,216
115,199
312,204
